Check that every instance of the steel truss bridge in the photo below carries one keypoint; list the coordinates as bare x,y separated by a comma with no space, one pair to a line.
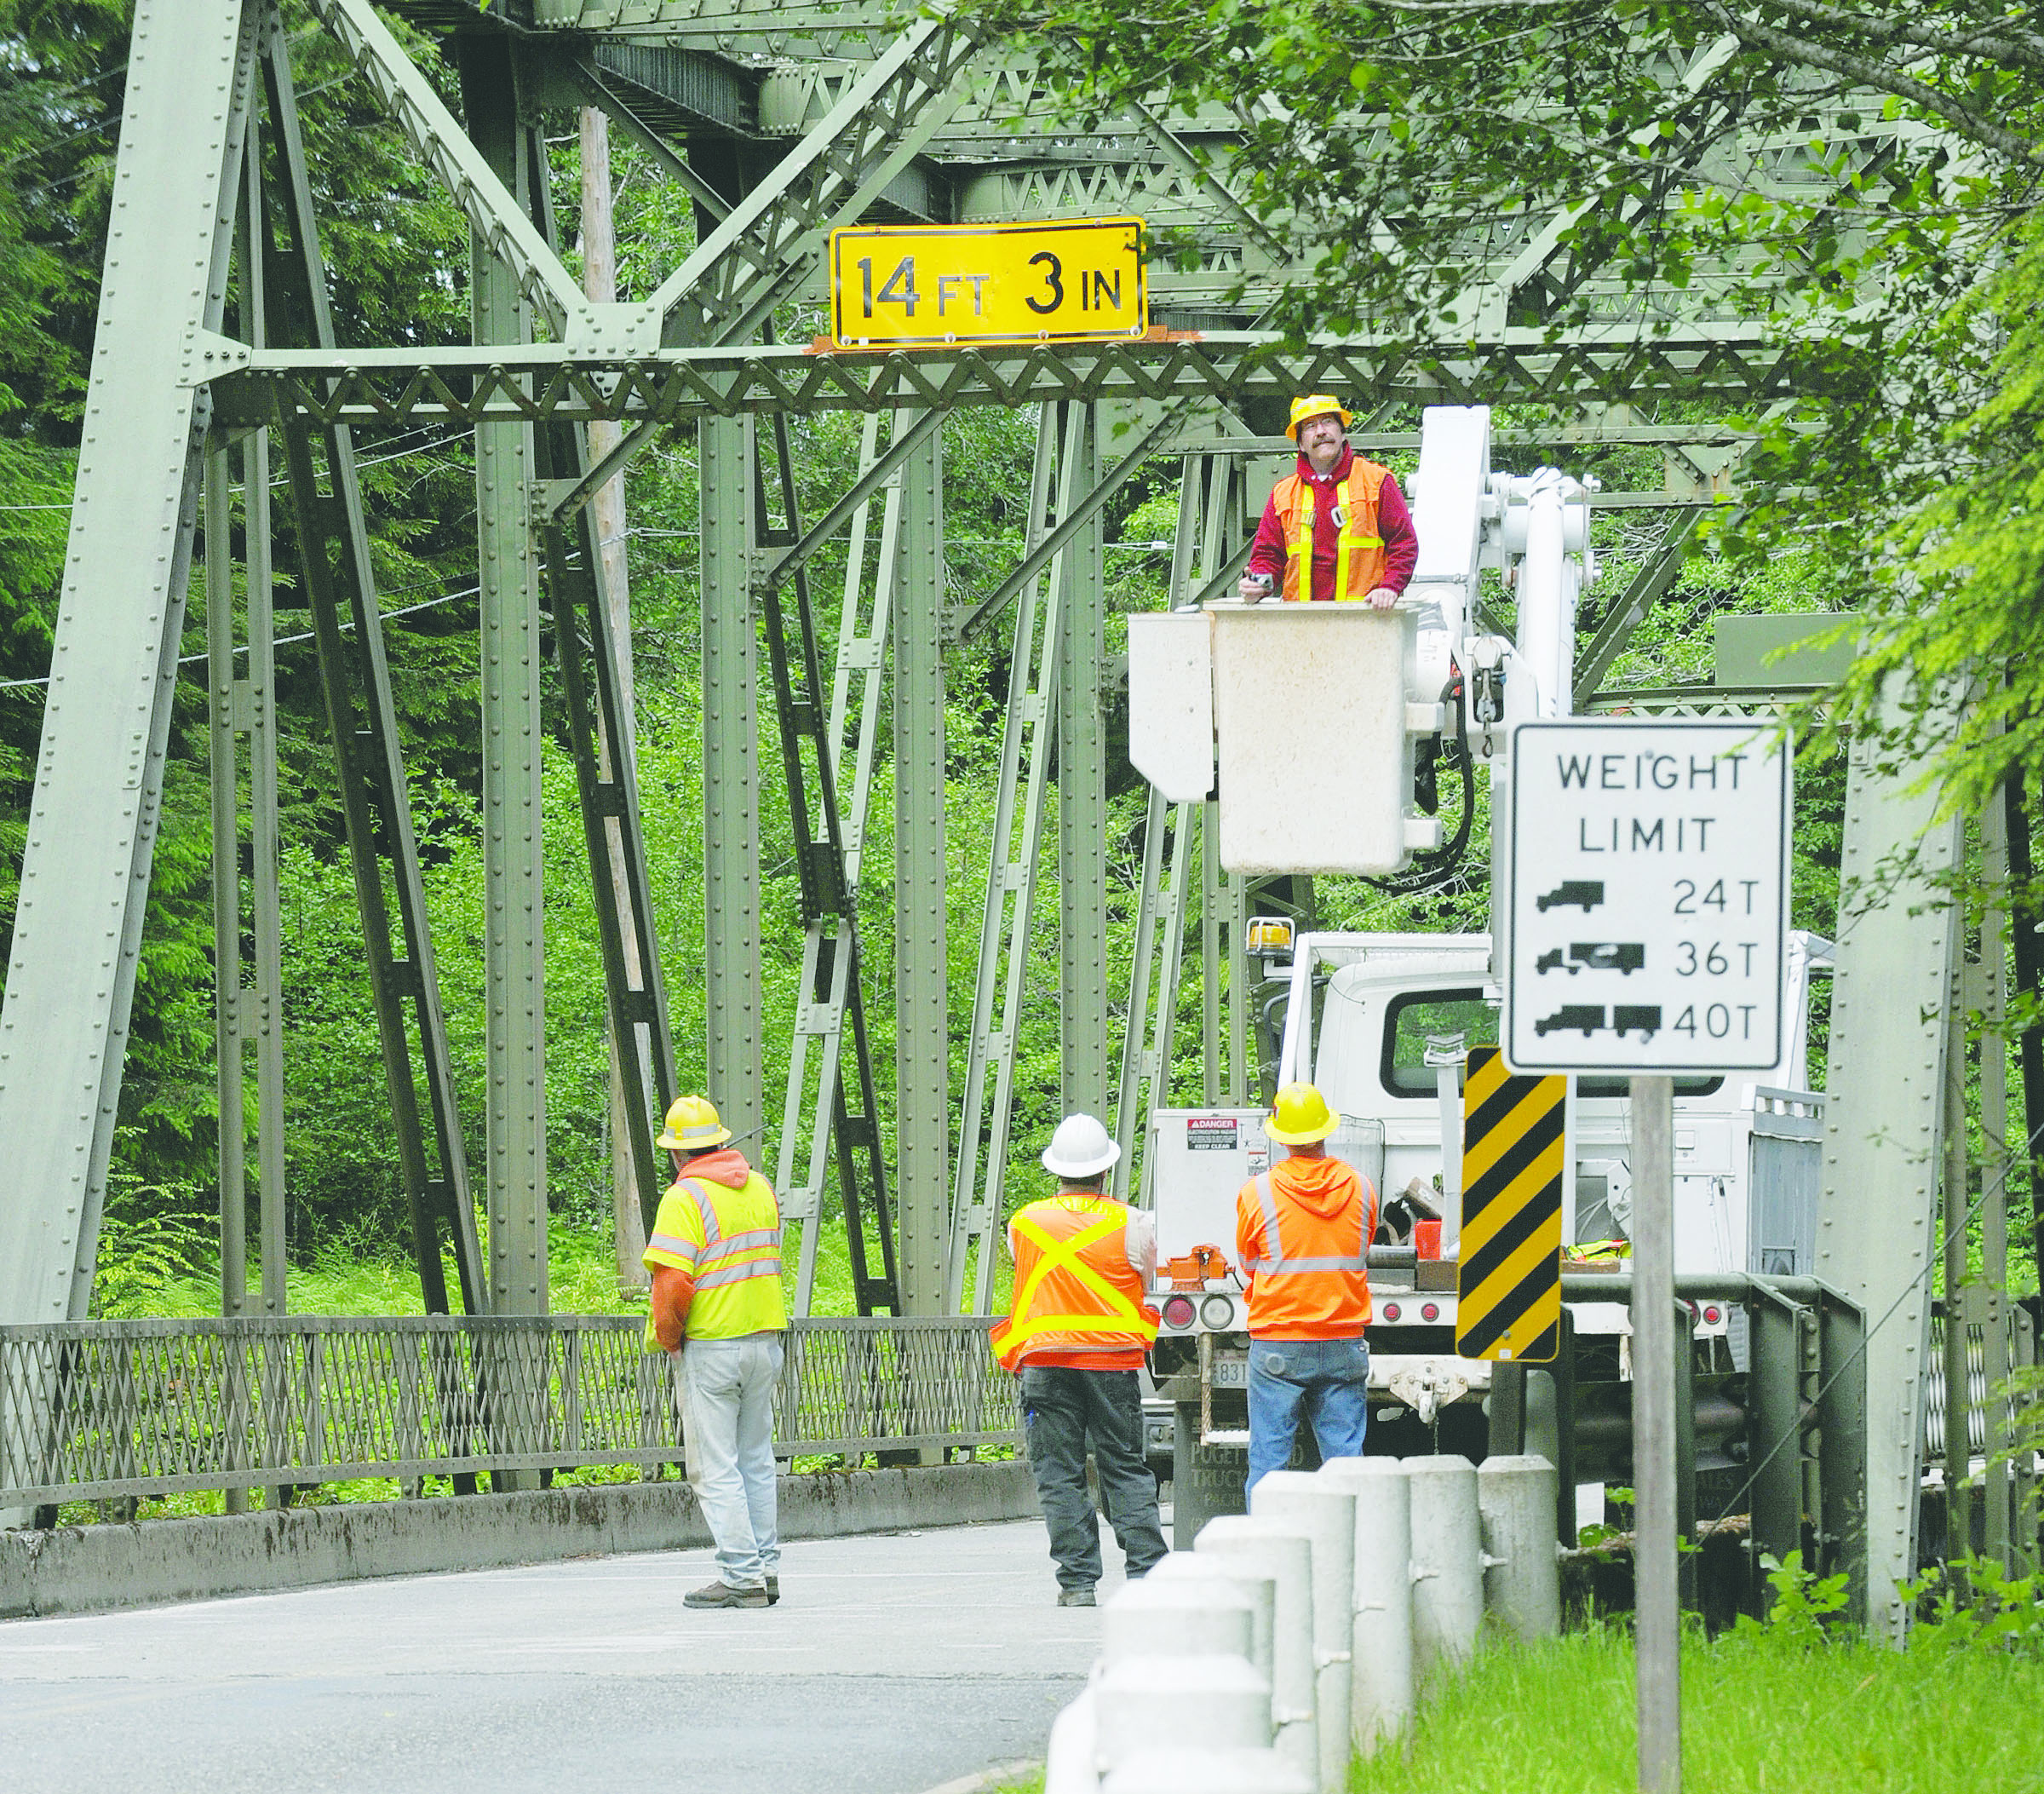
780,123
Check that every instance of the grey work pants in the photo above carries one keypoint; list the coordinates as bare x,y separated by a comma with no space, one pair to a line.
727,1421
1062,1407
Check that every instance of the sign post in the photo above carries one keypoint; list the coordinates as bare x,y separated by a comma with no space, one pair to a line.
1648,912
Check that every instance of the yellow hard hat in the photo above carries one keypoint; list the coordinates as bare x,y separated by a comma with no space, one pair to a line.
1316,405
692,1125
1301,1116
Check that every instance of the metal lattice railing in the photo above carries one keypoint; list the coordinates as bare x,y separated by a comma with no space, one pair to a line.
99,1409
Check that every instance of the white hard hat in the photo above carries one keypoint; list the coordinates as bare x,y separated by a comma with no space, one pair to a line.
1079,1148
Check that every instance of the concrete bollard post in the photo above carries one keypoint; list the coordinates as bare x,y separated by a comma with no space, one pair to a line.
1142,1701
1325,1510
1207,1772
1447,1567
1285,1553
1380,1702
1178,1617
1072,1765
1522,1571
1256,1584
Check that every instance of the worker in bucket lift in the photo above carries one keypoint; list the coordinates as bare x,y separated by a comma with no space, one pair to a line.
715,1257
1076,1337
1302,1231
1338,528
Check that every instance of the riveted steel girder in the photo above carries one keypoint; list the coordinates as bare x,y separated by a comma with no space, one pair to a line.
94,813
543,380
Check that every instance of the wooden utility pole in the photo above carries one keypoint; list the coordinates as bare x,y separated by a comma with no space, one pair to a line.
599,282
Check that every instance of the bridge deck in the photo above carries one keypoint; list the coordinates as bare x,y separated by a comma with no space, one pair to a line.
894,1663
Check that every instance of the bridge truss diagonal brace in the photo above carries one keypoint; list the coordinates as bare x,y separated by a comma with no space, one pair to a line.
600,731
354,671
93,819
1154,974
1006,924
1647,587
833,999
505,228
769,243
846,1110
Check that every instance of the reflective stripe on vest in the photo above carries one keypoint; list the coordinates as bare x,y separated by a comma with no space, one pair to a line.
1279,1265
1121,1321
726,1258
1355,545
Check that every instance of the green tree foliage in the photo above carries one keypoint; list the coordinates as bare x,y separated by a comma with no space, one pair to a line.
1862,177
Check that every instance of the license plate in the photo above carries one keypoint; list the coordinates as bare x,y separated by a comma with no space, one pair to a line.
1231,1373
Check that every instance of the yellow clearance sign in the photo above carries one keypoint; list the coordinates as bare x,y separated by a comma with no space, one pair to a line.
1067,282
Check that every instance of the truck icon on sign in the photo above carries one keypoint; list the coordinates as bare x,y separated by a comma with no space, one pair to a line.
1599,956
1644,1016
1587,1016
1588,892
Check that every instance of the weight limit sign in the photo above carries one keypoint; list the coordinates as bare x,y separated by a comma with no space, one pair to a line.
1508,1286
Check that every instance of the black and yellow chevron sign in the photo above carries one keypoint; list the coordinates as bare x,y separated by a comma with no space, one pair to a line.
1509,1288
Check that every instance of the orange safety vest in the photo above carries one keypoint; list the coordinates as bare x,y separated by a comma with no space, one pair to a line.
1311,1278
1075,1289
1359,548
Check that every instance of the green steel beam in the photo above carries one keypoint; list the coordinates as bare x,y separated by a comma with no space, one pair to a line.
731,777
93,817
922,1051
512,729
265,826
882,472
393,386
1877,1207
1082,798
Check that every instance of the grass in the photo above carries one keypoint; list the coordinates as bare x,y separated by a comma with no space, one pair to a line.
1757,1718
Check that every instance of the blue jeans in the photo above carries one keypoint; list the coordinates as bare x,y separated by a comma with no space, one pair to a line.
1328,1378
727,1427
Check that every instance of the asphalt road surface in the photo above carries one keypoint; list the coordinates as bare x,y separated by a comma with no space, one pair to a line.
892,1665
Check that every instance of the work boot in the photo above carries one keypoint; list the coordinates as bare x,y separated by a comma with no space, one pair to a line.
722,1594
1077,1597
773,1592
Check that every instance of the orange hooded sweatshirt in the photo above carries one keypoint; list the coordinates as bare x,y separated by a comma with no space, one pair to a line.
1302,1231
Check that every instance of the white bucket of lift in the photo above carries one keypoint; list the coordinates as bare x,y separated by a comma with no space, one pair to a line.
1301,716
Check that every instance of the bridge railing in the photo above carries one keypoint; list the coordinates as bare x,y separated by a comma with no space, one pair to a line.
97,1410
